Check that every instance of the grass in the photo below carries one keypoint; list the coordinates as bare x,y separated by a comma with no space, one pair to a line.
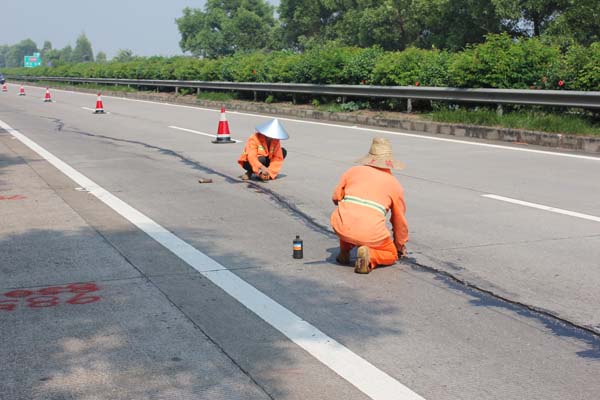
529,120
216,96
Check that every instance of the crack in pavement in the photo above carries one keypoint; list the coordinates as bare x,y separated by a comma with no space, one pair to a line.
597,235
312,223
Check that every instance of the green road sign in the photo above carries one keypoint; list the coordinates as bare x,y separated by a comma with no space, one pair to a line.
32,61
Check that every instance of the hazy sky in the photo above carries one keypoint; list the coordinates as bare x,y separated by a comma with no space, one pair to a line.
145,26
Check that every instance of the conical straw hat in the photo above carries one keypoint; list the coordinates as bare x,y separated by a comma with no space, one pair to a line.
273,129
380,155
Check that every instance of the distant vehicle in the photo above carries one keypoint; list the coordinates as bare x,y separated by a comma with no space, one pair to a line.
2,80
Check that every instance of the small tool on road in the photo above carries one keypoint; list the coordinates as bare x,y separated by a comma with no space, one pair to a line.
205,180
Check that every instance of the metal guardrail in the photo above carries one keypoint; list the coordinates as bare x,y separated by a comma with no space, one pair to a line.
564,98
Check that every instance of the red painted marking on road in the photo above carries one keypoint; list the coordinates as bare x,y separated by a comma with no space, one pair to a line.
8,305
52,290
83,298
83,287
42,301
50,296
18,293
15,197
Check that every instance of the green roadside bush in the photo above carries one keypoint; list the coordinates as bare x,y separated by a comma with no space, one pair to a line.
323,64
582,70
500,62
405,68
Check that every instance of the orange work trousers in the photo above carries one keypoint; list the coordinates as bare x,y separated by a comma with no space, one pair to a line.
385,254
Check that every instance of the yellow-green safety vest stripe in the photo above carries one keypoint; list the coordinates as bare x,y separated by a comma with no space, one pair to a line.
366,203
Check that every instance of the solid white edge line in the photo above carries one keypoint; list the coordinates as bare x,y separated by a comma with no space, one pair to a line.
543,207
411,135
359,372
197,132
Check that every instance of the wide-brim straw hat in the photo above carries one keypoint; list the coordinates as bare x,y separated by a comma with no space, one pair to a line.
273,129
380,155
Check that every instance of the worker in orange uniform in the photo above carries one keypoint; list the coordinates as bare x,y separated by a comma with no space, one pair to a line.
363,196
263,155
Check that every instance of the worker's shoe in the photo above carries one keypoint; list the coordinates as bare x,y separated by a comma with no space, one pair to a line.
245,176
343,258
363,261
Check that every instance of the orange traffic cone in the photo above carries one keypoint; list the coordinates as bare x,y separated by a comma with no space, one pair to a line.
99,105
5,87
223,129
21,91
47,97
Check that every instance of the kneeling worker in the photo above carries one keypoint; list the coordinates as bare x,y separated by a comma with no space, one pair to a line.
263,154
363,197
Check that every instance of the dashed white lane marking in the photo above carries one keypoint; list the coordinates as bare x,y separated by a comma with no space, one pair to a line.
94,110
412,135
372,381
198,132
543,207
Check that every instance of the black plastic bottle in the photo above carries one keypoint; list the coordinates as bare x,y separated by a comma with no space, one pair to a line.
298,247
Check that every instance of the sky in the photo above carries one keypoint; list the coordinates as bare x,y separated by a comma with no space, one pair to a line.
145,26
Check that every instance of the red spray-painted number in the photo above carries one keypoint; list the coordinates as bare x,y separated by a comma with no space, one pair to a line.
50,296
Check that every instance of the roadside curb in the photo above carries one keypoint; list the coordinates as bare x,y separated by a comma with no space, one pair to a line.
587,144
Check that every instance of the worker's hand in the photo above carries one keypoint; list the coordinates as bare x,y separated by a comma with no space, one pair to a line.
265,177
401,250
262,170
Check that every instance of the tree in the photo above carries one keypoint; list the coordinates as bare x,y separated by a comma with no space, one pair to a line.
66,55
226,26
538,14
16,54
83,50
4,49
124,55
101,57
581,18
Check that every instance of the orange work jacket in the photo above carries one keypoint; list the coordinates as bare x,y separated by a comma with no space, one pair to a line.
256,146
363,196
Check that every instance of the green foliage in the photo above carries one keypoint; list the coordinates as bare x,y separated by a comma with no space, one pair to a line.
101,57
583,68
359,66
83,50
323,64
501,62
216,96
406,68
226,27
124,55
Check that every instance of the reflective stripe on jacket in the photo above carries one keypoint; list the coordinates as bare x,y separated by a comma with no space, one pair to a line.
364,195
256,146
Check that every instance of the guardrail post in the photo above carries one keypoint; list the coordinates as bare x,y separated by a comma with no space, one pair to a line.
255,95
198,91
408,105
499,110
293,98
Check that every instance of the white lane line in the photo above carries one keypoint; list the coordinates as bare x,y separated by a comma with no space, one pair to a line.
411,135
372,381
543,207
94,110
198,132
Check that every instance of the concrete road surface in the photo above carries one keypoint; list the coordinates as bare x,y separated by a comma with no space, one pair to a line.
123,277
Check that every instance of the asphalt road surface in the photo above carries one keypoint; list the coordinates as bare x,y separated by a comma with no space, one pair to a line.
122,277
